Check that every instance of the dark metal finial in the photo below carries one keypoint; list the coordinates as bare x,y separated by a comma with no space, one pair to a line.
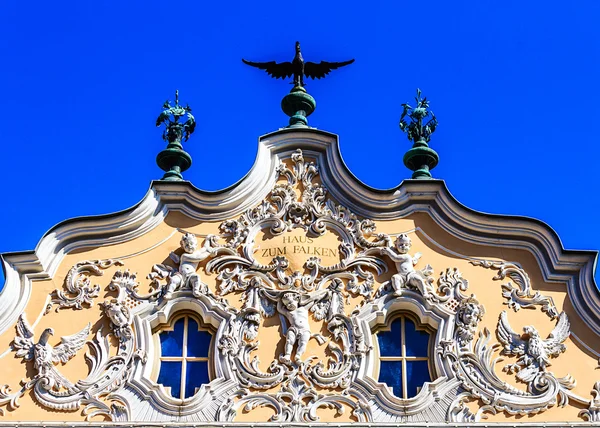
174,160
421,158
415,130
298,68
298,104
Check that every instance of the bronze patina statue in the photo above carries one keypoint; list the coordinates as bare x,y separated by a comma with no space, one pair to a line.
298,68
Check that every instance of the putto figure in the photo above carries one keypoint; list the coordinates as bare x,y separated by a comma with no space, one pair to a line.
294,307
185,276
407,275
298,68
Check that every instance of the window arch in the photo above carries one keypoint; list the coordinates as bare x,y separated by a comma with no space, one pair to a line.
184,349
404,353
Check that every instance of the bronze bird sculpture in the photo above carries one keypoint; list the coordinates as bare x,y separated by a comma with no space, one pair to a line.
298,68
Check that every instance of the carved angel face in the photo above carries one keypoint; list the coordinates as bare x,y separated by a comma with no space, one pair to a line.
403,244
290,301
117,314
189,243
471,314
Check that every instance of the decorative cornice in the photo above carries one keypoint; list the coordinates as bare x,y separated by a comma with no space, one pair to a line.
278,425
575,268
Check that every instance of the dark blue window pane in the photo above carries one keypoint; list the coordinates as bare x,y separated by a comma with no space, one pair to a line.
417,373
390,342
170,375
196,375
198,341
416,341
171,342
390,372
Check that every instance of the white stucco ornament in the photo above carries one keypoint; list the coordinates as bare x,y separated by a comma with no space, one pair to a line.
339,305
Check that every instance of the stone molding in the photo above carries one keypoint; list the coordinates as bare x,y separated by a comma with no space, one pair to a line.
462,360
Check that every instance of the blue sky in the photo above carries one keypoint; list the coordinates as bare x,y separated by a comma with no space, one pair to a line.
514,85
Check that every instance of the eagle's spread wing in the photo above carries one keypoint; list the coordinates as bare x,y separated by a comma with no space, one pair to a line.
69,345
163,117
23,342
277,70
322,69
553,344
513,344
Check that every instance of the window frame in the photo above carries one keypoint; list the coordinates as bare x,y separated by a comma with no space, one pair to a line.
183,359
419,326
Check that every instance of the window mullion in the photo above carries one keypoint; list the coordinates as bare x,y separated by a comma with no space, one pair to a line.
184,355
404,376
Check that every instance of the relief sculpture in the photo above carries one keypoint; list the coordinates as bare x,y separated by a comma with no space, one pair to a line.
348,299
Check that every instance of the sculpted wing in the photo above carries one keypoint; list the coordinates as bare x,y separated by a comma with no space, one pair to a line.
322,69
276,70
23,343
513,344
69,345
163,117
558,335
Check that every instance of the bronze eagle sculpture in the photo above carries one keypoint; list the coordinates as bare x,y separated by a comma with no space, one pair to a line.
298,68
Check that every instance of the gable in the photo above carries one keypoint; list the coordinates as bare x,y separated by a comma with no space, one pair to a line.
296,272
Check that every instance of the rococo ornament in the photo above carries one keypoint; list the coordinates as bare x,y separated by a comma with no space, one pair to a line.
345,297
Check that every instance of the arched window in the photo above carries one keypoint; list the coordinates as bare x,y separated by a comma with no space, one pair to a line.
404,353
184,357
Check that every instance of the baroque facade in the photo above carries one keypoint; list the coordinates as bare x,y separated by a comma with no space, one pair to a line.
300,295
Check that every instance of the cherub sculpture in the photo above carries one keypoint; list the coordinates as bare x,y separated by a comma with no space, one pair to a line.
120,317
45,356
295,307
185,276
468,316
534,352
407,275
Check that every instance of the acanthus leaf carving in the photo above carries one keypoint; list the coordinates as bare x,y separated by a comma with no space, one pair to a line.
521,296
296,384
592,413
79,290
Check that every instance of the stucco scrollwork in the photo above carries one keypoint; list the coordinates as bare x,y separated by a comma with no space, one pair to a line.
592,413
79,291
521,296
336,304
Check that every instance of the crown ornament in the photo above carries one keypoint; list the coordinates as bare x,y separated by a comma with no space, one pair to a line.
420,159
174,160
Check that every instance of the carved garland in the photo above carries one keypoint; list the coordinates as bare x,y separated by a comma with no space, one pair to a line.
302,384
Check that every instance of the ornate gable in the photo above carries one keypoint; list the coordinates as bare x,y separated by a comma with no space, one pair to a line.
299,295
